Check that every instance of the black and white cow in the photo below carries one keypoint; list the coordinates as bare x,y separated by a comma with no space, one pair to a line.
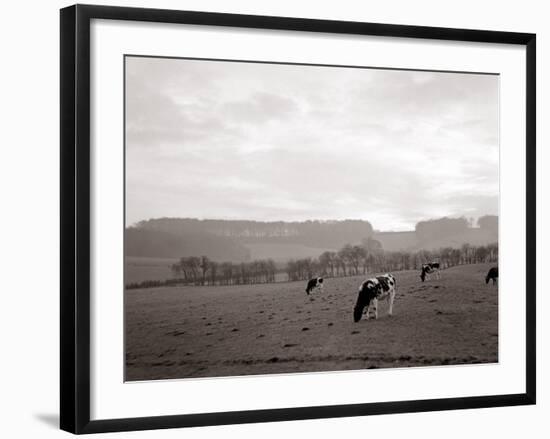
370,292
431,268
316,282
492,274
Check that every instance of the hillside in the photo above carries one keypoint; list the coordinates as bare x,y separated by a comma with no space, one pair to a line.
409,241
241,241
472,236
161,244
332,234
238,241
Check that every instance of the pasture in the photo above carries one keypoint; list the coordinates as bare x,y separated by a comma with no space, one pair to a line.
179,332
139,268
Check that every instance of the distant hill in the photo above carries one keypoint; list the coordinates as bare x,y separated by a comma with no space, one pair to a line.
331,234
454,232
442,232
236,241
144,242
473,236
241,241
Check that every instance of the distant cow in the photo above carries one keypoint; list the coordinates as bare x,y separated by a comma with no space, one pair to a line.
493,274
431,268
372,290
316,282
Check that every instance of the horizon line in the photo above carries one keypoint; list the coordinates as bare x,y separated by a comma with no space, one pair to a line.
135,224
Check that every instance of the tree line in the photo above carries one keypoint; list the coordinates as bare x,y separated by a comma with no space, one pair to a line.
203,271
350,260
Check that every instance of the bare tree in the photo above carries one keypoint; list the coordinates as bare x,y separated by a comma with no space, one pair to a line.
345,255
347,261
204,265
176,270
213,272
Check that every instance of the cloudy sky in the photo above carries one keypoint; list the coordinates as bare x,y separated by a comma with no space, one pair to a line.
213,139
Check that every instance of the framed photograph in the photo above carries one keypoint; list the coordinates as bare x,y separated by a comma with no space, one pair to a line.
274,218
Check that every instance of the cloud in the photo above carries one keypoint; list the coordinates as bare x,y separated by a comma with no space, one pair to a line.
260,108
276,142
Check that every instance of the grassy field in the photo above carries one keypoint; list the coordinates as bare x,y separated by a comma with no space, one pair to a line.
275,328
139,269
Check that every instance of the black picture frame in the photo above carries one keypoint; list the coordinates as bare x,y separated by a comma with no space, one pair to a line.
76,210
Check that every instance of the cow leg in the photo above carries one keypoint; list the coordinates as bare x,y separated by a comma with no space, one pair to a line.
390,299
371,310
375,308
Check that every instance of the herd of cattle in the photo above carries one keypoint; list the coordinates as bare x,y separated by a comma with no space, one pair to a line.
383,288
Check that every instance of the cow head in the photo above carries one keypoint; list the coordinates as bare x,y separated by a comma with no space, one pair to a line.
358,312
367,292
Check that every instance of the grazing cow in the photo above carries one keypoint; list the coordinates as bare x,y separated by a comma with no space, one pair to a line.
372,290
431,268
493,274
316,282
